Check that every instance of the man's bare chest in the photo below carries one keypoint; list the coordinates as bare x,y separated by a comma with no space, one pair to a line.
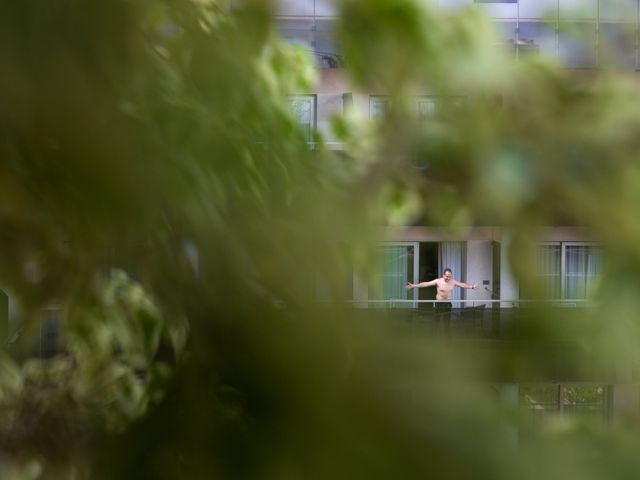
445,286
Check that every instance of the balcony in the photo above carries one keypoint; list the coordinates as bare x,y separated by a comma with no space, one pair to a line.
489,319
531,340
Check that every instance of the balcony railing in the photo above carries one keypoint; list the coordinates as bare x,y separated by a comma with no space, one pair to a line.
502,319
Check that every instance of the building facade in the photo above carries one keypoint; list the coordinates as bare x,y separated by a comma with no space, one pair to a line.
579,34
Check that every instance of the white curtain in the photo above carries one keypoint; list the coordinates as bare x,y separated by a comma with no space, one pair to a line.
451,256
548,261
426,108
583,266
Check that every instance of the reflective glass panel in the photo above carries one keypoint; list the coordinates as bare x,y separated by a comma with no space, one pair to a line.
578,9
539,37
617,45
623,10
500,10
576,44
538,8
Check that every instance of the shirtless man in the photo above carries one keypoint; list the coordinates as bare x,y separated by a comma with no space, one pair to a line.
444,287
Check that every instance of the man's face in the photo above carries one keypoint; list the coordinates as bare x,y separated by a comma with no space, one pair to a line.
447,276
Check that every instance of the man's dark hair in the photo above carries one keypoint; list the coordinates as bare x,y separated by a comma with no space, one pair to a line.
447,270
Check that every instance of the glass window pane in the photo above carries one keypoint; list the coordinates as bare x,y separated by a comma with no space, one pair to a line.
539,36
543,396
548,259
303,111
396,269
624,10
583,267
295,7
576,44
506,31
506,34
49,331
577,9
378,107
538,8
500,10
539,404
453,4
296,29
426,108
324,8
326,52
617,45
316,37
545,402
542,403
584,402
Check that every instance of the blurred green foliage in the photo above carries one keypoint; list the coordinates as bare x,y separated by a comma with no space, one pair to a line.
139,136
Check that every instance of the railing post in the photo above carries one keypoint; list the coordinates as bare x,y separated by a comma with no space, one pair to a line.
496,314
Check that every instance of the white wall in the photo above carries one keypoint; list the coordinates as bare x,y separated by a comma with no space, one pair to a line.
328,105
479,268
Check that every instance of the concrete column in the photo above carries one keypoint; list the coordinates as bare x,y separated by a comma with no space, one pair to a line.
509,289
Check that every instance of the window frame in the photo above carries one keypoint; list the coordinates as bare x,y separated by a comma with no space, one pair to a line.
372,100
416,265
560,387
563,257
314,113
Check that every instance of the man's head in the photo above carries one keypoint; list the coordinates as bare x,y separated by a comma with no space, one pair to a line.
447,274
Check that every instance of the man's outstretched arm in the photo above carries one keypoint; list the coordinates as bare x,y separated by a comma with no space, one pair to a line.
421,284
466,285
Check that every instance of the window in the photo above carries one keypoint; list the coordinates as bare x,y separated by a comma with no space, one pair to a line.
402,262
49,331
618,10
379,106
425,107
542,403
538,8
398,265
538,37
499,9
506,31
577,44
617,45
303,109
548,260
569,270
577,9
582,269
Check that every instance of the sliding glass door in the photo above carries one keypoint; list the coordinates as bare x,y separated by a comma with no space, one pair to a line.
569,270
398,265
582,270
